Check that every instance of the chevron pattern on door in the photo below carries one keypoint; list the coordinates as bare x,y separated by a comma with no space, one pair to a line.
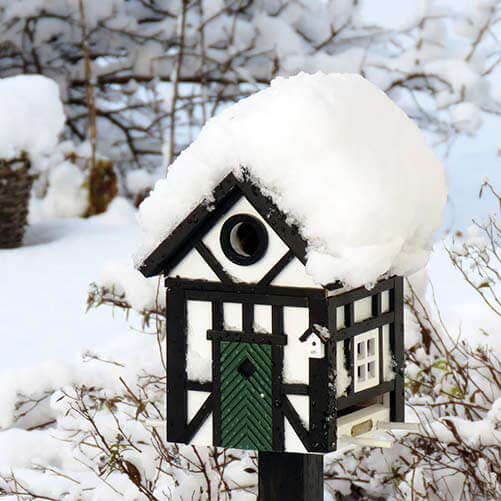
246,396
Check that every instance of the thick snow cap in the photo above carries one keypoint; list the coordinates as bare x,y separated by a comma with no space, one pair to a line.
31,116
337,156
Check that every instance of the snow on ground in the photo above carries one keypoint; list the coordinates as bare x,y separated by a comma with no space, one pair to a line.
44,287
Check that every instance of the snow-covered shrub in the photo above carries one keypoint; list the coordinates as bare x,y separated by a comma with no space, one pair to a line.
66,194
454,391
151,73
100,433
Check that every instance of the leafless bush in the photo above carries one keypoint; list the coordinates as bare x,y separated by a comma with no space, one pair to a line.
139,78
454,390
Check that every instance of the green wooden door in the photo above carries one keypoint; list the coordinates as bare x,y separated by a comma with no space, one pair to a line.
246,396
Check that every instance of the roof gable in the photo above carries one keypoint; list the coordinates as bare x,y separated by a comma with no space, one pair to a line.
190,231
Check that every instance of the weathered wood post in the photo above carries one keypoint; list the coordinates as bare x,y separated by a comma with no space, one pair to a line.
290,477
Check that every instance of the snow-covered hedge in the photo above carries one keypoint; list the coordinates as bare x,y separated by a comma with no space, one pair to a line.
96,431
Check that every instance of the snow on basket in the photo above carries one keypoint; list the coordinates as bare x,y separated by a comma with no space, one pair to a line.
266,229
31,118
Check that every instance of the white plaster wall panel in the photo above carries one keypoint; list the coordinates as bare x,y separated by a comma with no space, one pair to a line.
302,405
198,358
340,323
232,314
204,434
193,266
253,273
262,318
195,401
294,275
292,441
296,360
362,309
385,301
388,361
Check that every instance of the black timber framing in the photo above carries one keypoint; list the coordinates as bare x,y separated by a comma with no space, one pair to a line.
187,234
217,324
349,345
243,289
177,396
343,298
199,418
318,436
277,358
213,263
397,404
247,337
199,386
235,297
322,432
376,312
295,389
190,231
277,268
297,425
248,317
394,319
366,325
361,396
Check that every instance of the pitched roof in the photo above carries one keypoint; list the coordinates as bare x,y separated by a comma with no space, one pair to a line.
186,235
336,156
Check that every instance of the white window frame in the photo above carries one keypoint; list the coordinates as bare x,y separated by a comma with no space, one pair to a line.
366,360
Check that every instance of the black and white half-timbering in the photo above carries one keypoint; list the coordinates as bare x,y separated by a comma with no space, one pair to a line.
284,233
258,355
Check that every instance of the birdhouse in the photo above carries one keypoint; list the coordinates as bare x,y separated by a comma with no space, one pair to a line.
258,355
283,233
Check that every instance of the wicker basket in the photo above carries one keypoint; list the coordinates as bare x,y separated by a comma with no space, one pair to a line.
15,188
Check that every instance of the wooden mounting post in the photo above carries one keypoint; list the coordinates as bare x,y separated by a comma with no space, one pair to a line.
290,476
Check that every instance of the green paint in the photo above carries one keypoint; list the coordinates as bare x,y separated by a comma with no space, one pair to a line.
246,401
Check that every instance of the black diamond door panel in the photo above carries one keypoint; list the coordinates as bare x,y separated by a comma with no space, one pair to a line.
246,396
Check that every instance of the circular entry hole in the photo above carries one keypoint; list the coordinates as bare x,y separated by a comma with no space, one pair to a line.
244,239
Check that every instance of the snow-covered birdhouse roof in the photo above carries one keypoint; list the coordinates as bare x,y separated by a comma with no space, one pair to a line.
341,162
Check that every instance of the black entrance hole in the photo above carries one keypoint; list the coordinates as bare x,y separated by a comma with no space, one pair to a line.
244,239
247,368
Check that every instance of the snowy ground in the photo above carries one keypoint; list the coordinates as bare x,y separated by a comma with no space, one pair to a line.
44,288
